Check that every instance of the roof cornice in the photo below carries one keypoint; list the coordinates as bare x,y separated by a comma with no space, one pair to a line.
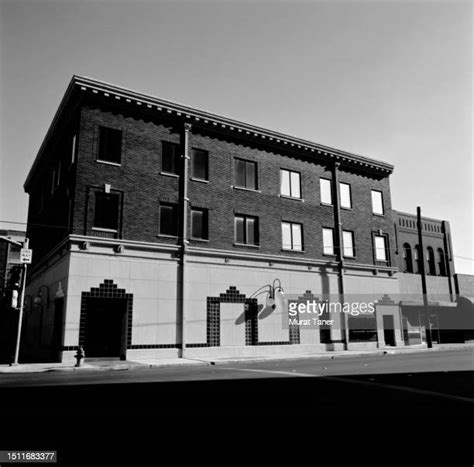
193,115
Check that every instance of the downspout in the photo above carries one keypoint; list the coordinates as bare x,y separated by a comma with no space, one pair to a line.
184,234
339,247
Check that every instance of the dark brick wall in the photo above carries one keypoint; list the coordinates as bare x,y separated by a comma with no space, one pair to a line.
143,187
49,210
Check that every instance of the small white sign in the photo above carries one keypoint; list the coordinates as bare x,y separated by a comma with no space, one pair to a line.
26,255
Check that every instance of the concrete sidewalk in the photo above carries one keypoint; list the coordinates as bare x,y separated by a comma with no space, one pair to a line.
101,365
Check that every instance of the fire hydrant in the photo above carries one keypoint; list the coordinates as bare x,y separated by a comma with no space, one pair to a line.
80,355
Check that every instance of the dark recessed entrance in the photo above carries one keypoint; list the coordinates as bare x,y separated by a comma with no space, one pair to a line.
106,329
389,330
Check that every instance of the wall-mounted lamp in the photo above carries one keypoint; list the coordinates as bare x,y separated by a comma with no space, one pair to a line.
39,299
274,289
271,291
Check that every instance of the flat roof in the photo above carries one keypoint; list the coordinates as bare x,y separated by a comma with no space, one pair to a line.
193,115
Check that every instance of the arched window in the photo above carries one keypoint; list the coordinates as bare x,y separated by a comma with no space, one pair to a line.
407,258
431,261
416,254
441,262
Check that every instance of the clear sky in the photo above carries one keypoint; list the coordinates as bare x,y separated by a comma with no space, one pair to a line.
387,79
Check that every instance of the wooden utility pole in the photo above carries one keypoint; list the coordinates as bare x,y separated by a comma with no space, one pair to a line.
421,259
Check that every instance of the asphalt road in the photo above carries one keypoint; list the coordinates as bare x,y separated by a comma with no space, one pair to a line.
185,410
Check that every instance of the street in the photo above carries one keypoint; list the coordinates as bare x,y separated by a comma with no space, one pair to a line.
404,382
134,415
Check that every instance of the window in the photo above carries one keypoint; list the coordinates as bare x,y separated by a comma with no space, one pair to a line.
170,158
441,263
348,243
345,191
380,248
73,150
110,145
292,236
53,180
246,230
290,183
325,185
328,241
106,211
58,174
416,256
245,174
431,261
199,164
407,258
199,224
377,202
169,220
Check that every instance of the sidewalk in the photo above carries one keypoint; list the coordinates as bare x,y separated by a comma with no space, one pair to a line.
101,365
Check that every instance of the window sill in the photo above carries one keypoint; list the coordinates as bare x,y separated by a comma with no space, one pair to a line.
330,255
167,236
202,240
346,208
103,229
350,257
378,215
169,174
293,251
249,245
200,180
327,205
292,197
114,164
245,189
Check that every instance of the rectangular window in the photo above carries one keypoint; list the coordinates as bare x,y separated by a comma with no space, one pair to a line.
348,243
292,236
245,174
380,248
169,220
106,211
328,241
73,150
345,191
58,174
325,185
246,230
199,164
199,224
290,183
377,202
170,158
110,145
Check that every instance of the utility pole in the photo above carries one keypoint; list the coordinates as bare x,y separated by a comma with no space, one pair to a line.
421,259
25,257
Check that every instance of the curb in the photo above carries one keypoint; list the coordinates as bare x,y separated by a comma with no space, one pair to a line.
225,361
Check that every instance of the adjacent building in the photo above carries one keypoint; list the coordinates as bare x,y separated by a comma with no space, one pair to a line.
160,230
10,276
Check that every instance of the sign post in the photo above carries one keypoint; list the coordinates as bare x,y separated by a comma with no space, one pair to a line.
25,257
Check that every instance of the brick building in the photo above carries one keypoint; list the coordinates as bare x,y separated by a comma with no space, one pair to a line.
168,230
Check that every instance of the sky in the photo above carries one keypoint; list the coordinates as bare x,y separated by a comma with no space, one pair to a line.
388,79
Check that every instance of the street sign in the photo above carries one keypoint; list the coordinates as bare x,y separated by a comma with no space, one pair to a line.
25,255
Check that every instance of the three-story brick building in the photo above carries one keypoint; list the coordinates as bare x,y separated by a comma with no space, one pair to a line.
161,230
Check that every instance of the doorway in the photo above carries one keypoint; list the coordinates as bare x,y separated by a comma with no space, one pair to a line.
106,328
389,330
